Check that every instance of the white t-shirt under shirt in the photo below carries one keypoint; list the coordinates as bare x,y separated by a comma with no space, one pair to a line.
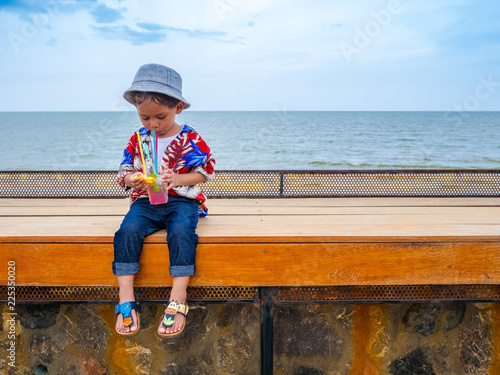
162,146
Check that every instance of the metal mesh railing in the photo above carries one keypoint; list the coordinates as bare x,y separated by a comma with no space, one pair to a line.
393,183
303,294
110,294
388,293
268,184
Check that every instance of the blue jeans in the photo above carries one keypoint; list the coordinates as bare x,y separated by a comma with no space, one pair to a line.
179,217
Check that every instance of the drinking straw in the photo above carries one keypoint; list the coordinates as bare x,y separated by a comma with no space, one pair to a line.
148,155
142,155
155,151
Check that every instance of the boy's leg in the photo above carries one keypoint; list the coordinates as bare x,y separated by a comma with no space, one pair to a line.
181,223
126,294
141,221
178,294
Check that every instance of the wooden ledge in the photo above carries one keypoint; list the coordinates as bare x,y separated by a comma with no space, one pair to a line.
266,242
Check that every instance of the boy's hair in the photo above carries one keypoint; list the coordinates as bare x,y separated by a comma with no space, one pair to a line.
137,97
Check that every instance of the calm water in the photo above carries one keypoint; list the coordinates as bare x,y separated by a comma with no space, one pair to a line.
264,140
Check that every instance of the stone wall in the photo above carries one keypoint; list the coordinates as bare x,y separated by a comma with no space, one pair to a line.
420,338
400,339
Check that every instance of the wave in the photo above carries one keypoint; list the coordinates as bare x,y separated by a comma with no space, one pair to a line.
390,166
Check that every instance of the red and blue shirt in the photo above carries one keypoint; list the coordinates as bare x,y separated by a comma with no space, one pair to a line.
187,153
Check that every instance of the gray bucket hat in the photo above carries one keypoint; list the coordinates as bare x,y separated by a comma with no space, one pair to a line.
158,78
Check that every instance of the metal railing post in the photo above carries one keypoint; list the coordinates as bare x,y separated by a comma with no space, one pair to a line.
266,331
282,183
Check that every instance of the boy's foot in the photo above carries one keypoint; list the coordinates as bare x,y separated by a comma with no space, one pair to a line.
175,327
130,325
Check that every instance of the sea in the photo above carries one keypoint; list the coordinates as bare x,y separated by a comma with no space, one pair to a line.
272,140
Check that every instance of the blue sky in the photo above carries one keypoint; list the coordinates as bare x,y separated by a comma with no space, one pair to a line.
62,55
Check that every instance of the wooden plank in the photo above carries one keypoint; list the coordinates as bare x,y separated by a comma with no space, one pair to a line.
274,228
344,210
271,202
60,202
361,220
356,202
488,211
266,264
63,211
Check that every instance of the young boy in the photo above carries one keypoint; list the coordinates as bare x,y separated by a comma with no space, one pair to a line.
186,161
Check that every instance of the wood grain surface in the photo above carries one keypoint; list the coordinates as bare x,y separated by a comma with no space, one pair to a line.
265,242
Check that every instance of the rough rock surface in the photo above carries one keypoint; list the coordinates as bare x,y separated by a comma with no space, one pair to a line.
414,363
37,316
300,333
431,318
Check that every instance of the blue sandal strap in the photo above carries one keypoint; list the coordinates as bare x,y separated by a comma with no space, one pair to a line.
126,310
133,306
168,319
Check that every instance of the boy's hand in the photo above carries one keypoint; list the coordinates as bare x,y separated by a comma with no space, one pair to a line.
170,178
136,181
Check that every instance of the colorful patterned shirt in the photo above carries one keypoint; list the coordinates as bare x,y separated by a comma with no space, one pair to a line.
187,153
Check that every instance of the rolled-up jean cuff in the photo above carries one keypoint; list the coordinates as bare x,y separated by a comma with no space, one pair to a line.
182,270
121,269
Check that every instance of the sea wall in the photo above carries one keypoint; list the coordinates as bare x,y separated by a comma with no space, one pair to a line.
407,338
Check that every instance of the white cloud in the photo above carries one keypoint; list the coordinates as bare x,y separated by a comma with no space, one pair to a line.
243,54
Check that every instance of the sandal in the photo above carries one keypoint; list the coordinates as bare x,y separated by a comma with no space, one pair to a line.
126,310
168,319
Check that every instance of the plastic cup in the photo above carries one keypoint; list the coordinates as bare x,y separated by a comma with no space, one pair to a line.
157,197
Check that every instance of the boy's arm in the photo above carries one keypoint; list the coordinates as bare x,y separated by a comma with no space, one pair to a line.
127,164
172,179
132,179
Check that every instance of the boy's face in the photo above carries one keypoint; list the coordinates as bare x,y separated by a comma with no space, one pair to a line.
159,118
